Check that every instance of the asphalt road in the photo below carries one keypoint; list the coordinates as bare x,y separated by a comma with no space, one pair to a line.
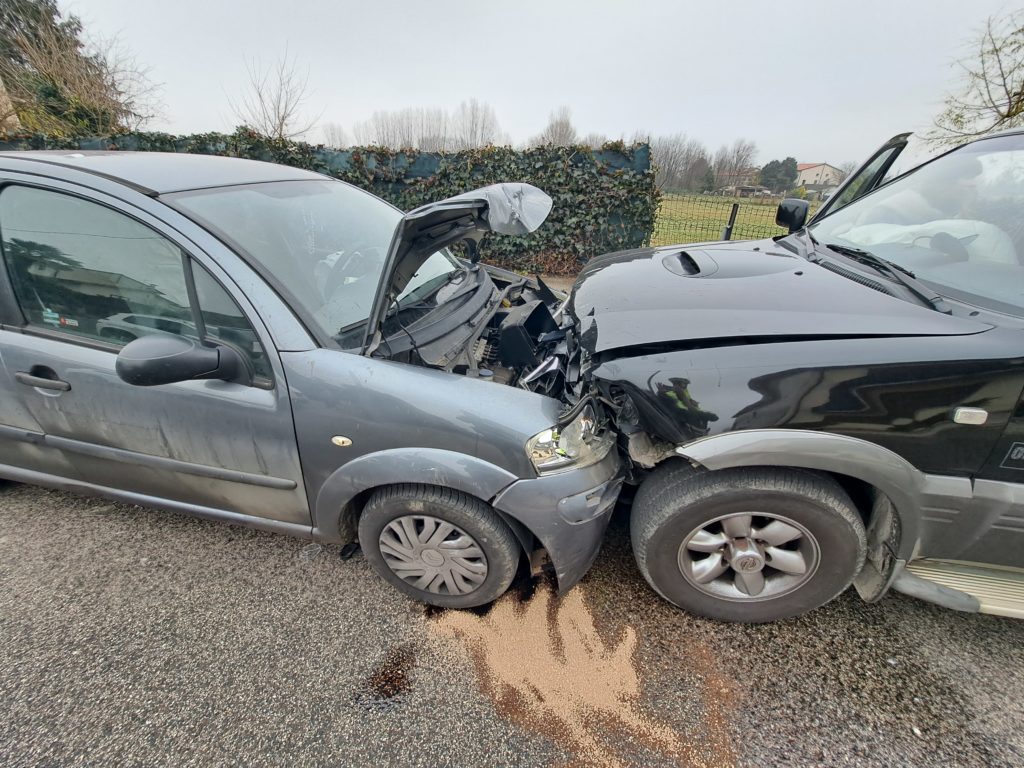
134,637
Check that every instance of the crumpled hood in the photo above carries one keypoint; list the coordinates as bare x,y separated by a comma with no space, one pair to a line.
734,290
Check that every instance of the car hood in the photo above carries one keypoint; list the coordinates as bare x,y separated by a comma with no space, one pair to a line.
508,209
680,294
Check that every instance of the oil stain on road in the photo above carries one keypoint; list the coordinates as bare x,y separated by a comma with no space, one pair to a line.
547,669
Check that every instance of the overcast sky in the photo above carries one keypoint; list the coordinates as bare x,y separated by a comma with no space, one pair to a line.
825,82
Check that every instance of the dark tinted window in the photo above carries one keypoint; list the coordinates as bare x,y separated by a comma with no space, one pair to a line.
87,270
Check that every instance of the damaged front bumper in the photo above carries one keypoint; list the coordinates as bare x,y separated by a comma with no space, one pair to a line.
568,512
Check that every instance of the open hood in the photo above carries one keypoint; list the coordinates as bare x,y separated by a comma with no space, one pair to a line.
508,209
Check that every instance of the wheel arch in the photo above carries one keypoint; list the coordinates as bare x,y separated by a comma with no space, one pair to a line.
858,465
342,496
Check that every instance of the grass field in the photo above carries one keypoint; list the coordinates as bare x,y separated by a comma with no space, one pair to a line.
695,218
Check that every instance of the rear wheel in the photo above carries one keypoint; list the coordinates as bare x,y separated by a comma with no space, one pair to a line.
438,546
747,544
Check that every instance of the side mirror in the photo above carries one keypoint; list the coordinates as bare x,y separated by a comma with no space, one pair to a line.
792,213
158,359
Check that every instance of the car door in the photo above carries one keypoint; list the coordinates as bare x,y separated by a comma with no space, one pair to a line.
89,273
996,533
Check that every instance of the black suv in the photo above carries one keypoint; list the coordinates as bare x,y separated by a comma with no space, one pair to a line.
842,404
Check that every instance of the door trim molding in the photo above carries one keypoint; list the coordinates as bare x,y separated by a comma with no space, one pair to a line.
31,477
146,460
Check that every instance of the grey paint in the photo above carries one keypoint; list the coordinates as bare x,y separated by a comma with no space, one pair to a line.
910,584
939,516
232,429
64,483
428,466
163,172
988,528
906,486
231,452
571,546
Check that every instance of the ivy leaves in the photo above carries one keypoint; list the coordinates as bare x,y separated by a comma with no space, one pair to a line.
604,200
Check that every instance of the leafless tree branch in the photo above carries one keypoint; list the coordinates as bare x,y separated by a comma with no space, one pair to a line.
991,96
274,98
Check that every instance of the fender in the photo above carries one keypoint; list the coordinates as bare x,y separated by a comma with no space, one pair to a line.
429,466
913,493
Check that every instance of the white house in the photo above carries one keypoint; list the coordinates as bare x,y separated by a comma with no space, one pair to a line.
817,175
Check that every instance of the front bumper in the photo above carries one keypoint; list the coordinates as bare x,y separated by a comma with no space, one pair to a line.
568,512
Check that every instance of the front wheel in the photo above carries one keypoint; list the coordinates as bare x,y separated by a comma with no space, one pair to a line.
438,546
749,544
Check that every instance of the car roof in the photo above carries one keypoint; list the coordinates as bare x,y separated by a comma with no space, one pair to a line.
157,173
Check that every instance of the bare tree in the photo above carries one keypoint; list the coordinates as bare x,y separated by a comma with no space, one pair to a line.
681,162
273,101
594,140
334,135
732,163
559,131
409,128
57,83
475,125
847,168
127,81
992,93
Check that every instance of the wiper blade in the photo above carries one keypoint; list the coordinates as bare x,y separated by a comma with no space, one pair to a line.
896,272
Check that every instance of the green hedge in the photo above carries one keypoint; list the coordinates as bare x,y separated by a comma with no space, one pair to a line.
604,200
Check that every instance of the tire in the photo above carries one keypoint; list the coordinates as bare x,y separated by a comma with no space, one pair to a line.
687,526
472,565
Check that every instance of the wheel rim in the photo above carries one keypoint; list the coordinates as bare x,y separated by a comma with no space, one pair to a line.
748,556
433,555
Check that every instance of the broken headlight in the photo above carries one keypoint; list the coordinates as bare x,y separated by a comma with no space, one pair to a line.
579,443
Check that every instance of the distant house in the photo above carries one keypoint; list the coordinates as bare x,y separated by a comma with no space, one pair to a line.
817,176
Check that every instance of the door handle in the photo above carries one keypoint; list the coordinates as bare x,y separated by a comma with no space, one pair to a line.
42,382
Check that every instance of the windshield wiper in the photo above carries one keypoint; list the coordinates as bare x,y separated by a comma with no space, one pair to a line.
896,272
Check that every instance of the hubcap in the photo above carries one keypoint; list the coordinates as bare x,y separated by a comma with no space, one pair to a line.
433,555
748,556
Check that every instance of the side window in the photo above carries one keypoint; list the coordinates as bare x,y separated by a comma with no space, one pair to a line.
225,322
862,183
87,270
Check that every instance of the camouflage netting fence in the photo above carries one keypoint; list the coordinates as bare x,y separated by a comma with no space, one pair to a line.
604,200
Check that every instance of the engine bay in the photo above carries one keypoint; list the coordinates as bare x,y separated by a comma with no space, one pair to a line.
519,336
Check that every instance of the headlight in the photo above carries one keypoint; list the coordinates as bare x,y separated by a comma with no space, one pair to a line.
577,444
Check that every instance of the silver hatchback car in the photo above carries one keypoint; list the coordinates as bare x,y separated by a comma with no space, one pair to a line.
263,345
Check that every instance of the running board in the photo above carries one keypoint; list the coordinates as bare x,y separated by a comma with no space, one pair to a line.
995,590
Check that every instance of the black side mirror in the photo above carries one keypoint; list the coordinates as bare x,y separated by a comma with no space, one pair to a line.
158,359
792,213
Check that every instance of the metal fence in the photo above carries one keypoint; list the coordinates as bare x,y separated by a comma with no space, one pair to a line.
697,218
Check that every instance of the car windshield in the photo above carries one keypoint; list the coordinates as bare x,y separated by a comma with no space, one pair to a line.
955,222
324,242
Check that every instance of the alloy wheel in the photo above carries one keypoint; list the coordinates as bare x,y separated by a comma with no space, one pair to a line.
748,556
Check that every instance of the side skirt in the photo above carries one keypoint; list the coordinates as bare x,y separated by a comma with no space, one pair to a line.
30,477
998,590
